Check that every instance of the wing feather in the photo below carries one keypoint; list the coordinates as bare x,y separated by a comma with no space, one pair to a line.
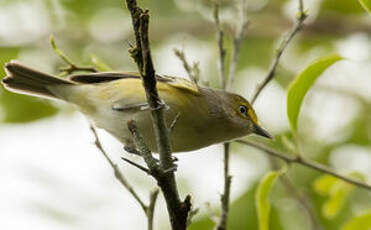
94,78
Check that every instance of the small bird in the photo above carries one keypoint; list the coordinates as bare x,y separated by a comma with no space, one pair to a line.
201,116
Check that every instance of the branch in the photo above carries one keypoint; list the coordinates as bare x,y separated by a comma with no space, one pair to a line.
118,174
237,39
151,208
222,225
305,162
192,71
300,18
222,51
164,175
225,197
177,210
71,66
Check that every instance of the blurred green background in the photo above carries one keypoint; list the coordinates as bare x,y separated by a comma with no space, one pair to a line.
334,125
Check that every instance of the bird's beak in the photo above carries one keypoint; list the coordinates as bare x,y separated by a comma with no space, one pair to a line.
261,132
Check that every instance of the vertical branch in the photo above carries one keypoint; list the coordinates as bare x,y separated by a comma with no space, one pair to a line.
154,101
222,51
237,39
222,225
164,174
226,85
151,208
225,197
300,18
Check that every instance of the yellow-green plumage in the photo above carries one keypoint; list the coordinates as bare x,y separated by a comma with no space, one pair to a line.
110,100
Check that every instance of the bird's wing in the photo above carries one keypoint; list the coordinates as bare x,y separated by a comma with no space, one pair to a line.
176,82
101,77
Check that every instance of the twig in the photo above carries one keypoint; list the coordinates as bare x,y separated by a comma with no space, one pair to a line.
224,198
165,177
192,71
144,169
306,162
222,51
148,210
118,174
237,39
71,66
300,18
151,208
222,225
177,213
301,198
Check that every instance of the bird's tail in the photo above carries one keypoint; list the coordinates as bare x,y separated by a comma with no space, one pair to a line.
24,80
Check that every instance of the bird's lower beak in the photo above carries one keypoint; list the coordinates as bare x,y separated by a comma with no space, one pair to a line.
261,132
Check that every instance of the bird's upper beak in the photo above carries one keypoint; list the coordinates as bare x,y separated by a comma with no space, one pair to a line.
261,132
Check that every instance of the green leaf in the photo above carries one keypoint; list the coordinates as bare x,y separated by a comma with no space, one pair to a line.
366,4
99,64
262,198
302,83
359,222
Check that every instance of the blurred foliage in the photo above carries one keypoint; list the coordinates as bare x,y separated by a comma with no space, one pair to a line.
362,221
341,6
72,21
366,4
337,190
243,215
17,108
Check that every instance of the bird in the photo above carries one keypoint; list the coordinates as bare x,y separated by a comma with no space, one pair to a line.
201,116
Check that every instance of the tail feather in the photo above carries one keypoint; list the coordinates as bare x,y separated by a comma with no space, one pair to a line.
25,80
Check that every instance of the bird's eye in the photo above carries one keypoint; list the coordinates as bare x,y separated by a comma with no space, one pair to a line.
243,109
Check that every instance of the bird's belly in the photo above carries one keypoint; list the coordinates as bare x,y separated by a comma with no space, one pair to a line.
185,136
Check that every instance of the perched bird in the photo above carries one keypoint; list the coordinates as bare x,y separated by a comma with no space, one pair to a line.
204,116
